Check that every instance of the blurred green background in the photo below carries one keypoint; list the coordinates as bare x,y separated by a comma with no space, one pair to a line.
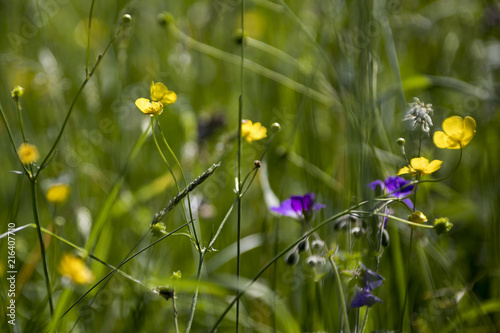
336,75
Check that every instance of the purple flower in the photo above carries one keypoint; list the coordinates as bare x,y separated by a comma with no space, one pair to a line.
298,207
393,187
371,280
364,297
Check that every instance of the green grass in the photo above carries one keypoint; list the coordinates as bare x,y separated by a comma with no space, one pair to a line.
337,76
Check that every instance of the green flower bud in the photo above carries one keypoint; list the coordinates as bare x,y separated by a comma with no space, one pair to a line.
401,141
442,225
164,18
17,92
159,229
126,18
275,127
176,275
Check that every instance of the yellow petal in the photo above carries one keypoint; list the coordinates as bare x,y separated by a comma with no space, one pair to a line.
434,166
246,128
158,90
469,130
419,164
148,107
169,98
142,104
403,171
441,140
454,127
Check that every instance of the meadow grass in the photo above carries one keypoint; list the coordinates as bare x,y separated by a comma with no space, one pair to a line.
246,200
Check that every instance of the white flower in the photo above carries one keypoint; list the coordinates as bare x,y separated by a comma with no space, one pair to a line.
418,113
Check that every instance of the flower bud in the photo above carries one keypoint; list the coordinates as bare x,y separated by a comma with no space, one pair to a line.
17,92
275,127
385,238
401,141
292,257
257,163
317,245
164,18
442,225
417,217
314,261
159,229
303,246
126,18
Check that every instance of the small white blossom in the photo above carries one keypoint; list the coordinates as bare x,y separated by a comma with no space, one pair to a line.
418,113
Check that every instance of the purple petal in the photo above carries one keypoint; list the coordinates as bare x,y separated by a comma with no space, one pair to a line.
373,185
318,206
408,202
371,280
308,202
297,204
364,298
286,209
393,185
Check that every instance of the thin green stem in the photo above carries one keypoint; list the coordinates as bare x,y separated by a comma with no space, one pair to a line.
408,283
365,320
195,294
174,310
68,114
185,182
238,166
88,39
341,294
20,117
413,224
42,246
4,118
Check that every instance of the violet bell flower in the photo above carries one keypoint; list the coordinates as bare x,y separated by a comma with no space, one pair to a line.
396,187
299,207
364,297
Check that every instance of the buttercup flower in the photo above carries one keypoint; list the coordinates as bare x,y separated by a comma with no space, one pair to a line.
57,194
74,268
298,207
251,131
395,187
160,96
418,113
420,166
28,153
364,297
458,132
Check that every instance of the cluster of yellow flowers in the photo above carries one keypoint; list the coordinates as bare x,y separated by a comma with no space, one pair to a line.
457,133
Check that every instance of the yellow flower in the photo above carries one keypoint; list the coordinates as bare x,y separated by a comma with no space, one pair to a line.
28,153
74,268
457,133
251,132
420,166
57,194
160,96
